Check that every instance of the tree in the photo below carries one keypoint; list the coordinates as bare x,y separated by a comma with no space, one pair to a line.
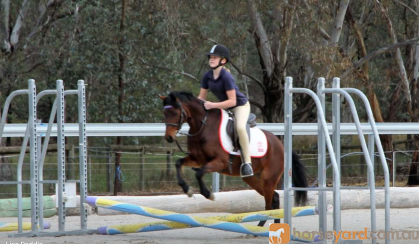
413,70
121,96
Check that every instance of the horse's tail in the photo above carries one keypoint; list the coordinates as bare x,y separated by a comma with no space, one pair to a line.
299,179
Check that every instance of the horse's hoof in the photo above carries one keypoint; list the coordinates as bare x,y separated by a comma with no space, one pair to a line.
212,197
190,192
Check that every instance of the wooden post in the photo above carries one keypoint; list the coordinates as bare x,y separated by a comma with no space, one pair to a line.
377,169
109,171
342,162
118,186
142,162
169,163
362,168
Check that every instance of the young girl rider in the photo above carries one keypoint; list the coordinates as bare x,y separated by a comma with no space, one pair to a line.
223,86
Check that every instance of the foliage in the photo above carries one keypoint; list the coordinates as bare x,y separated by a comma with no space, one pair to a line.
164,44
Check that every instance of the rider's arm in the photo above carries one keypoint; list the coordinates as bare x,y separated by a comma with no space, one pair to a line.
203,94
230,102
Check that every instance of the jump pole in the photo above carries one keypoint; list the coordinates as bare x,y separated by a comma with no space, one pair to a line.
14,226
176,217
181,218
235,218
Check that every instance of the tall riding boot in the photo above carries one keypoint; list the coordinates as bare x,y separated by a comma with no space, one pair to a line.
246,170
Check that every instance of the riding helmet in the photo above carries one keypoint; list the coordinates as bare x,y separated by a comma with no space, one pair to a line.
220,51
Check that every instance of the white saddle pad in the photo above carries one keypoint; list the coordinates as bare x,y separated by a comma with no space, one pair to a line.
258,142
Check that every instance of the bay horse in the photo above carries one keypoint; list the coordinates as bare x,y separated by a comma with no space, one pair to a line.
206,155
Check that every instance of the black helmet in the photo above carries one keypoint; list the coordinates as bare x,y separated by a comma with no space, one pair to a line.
220,51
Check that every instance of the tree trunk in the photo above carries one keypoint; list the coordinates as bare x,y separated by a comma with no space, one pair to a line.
272,110
413,172
338,23
6,47
404,83
272,49
413,179
14,37
364,76
121,86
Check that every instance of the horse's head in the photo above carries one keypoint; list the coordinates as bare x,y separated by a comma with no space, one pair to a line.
181,107
174,116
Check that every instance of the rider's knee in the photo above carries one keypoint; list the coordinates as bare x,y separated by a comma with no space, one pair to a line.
241,129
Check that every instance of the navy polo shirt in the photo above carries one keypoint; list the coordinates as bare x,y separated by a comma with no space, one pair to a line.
220,86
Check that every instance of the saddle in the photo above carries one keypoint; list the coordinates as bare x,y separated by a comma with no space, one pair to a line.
232,132
231,128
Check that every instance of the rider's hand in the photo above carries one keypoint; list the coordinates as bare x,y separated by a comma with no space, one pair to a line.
208,105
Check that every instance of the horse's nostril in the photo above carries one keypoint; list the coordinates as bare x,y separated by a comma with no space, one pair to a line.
169,139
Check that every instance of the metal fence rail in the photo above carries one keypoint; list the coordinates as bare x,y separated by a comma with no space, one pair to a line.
158,129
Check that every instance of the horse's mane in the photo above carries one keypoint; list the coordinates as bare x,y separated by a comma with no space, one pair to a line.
183,96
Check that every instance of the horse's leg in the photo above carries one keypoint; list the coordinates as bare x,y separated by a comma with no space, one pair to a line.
256,184
214,165
203,188
275,205
270,181
181,182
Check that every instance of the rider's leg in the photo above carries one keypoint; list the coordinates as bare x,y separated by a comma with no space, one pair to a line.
242,114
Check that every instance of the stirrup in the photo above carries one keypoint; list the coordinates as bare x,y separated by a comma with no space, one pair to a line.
246,170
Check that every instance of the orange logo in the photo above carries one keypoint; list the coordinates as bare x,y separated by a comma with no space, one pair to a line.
279,233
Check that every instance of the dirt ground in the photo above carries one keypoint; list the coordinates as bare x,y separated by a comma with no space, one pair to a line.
352,220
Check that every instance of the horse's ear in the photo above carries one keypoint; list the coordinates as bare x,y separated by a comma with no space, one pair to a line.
162,97
173,98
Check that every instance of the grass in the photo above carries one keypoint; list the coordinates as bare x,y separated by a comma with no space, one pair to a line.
157,175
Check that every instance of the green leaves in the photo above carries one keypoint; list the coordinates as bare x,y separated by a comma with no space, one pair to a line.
163,39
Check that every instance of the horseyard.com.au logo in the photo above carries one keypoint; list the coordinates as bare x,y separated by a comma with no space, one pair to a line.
279,233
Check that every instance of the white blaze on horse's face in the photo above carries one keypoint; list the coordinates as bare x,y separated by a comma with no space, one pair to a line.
172,121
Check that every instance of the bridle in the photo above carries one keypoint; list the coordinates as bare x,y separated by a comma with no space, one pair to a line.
182,119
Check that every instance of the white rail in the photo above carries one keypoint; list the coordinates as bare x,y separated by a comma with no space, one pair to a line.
158,129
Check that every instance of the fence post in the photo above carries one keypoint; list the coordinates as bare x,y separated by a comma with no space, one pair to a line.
362,170
40,186
371,148
109,170
169,163
142,162
215,182
394,168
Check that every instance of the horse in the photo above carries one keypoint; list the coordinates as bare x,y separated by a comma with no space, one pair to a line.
206,155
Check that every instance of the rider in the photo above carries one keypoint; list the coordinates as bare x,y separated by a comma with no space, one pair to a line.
220,81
